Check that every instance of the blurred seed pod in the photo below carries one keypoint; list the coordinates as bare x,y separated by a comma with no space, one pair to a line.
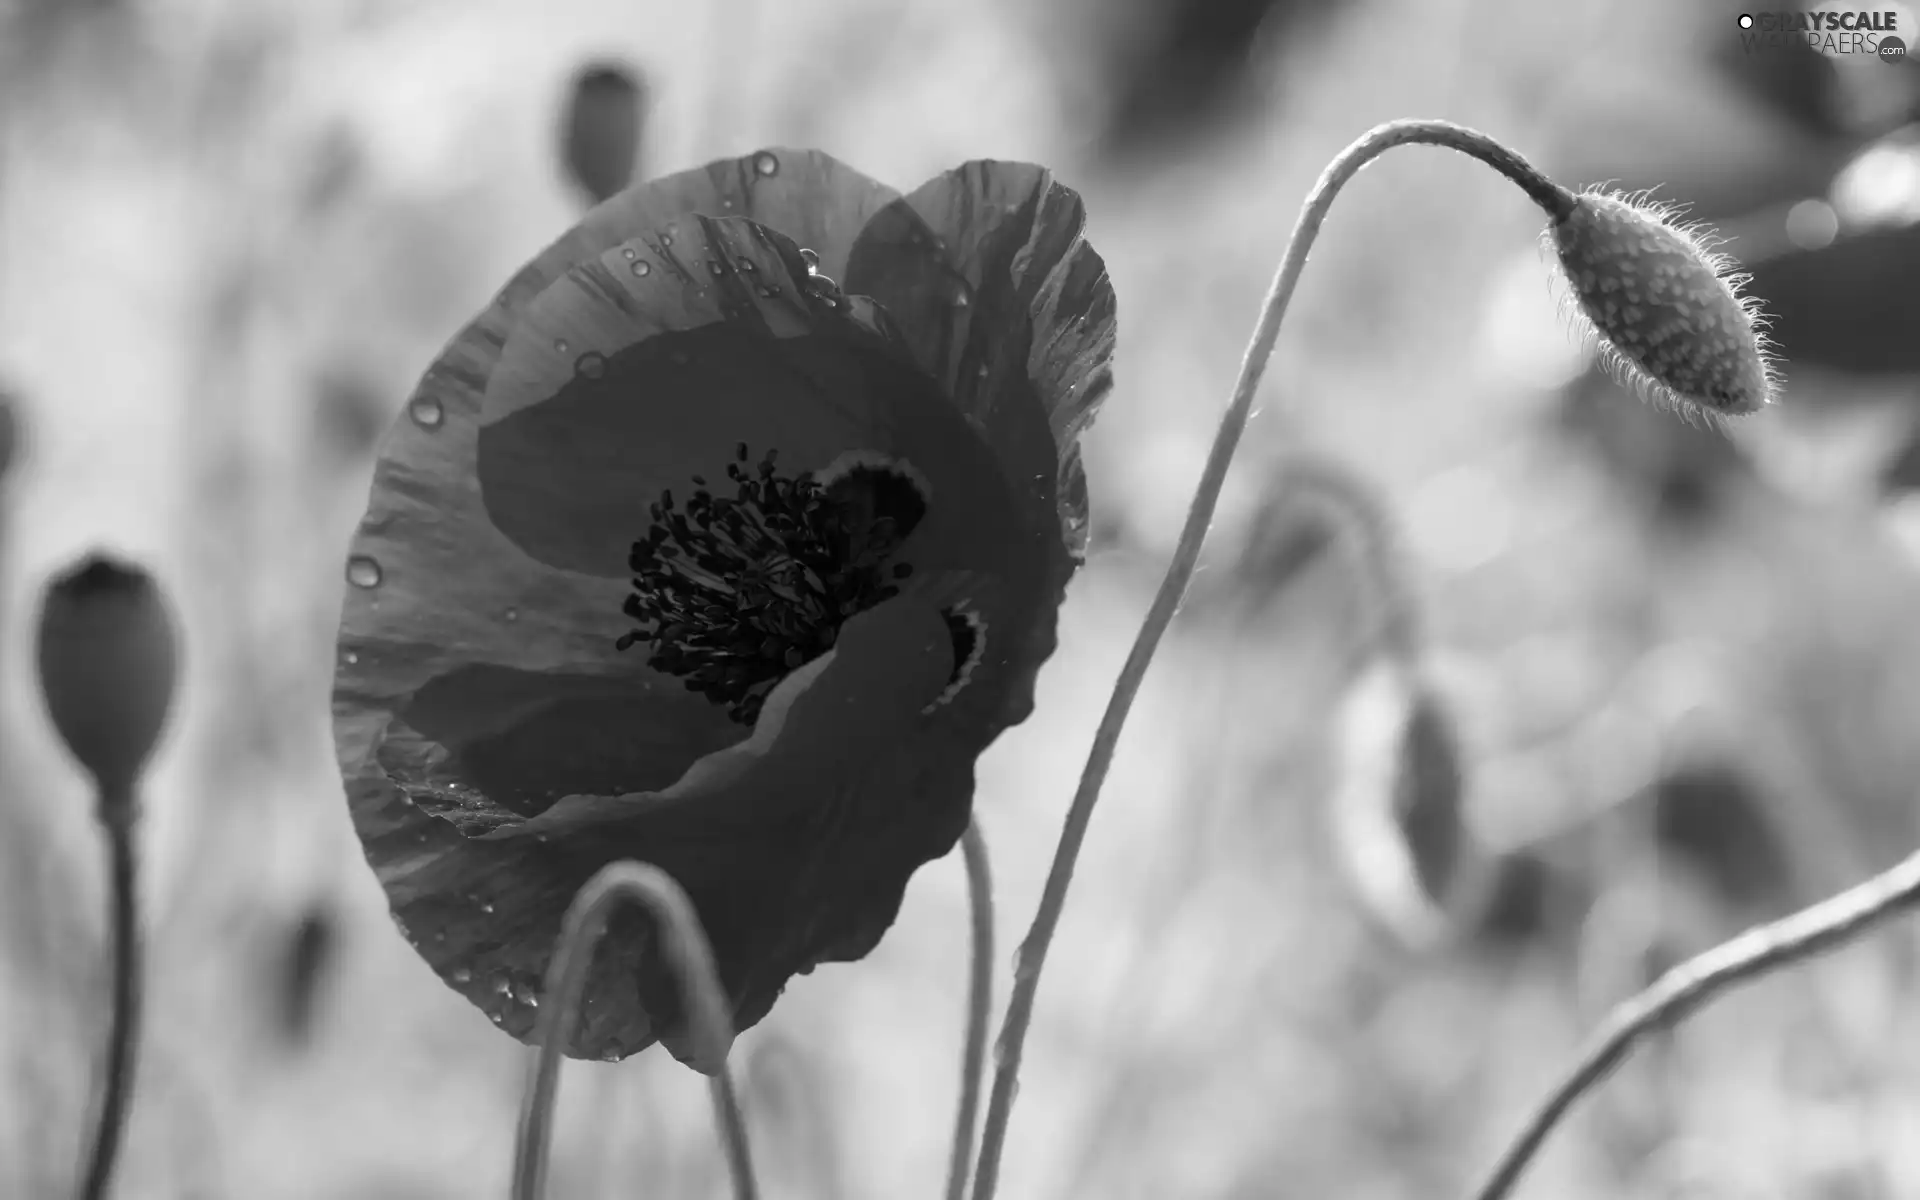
601,131
349,415
1191,68
107,665
1399,808
303,964
9,433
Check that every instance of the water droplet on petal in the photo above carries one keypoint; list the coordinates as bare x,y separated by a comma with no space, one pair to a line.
532,1001
461,975
363,572
666,239
962,295
426,412
350,658
486,906
769,292
727,204
591,365
560,345
811,259
643,268
513,614
714,268
502,985
765,163
746,265
629,253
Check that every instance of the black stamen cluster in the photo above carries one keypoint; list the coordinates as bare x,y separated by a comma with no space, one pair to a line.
732,594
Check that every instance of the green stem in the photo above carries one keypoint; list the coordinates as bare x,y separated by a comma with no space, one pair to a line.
706,1004
123,1036
973,1056
1556,201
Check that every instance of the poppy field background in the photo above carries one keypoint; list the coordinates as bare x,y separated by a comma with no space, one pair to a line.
1682,665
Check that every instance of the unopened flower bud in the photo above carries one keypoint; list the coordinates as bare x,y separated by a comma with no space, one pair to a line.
1668,310
107,663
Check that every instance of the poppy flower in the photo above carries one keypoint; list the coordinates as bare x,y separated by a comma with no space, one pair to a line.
684,552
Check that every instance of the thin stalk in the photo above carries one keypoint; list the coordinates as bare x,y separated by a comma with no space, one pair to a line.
1794,938
123,1035
706,1004
1557,201
973,1055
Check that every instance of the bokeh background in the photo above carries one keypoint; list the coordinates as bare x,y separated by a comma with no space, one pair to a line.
1680,668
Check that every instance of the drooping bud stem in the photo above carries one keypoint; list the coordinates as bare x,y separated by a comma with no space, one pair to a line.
1559,204
706,1007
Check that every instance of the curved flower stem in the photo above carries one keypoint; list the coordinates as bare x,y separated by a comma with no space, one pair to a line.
1820,927
123,1036
1557,201
1365,530
973,1056
706,1005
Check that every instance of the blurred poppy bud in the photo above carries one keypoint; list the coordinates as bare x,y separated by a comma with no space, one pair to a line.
1668,311
1400,810
107,662
601,137
9,433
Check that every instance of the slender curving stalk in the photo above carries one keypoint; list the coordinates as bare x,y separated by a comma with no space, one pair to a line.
1794,938
1557,202
123,1035
973,1055
706,1004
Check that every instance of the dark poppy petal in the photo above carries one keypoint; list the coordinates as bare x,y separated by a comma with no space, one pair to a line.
986,274
783,851
615,386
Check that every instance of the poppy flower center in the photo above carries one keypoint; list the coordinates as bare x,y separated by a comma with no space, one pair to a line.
733,593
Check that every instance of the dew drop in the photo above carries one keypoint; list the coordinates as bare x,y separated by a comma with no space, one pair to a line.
714,268
502,985
426,412
629,253
811,259
769,292
486,906
962,296
591,365
560,345
666,239
350,658
765,163
461,975
532,1000
363,572
513,614
642,268
746,265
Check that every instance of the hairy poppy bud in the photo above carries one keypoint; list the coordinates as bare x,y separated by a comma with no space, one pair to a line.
107,669
1668,311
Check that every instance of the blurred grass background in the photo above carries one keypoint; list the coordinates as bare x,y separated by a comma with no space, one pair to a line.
1683,666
